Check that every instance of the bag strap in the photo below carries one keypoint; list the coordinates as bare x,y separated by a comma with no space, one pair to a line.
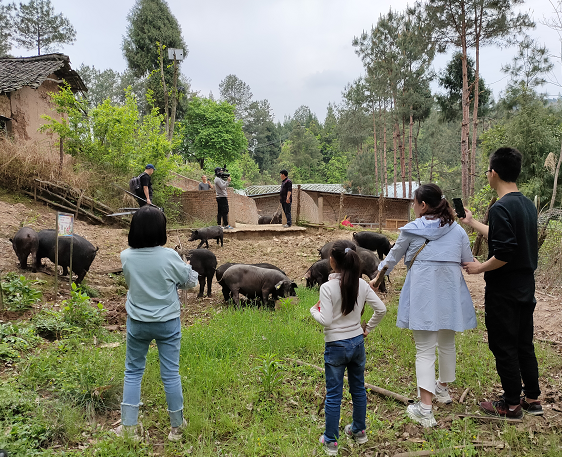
416,254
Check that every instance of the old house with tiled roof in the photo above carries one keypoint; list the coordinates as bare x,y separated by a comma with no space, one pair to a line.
25,84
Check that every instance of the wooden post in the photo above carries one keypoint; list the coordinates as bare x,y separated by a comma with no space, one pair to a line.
381,212
320,209
298,203
341,208
1,293
56,254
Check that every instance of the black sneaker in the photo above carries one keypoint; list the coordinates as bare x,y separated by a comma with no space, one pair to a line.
533,408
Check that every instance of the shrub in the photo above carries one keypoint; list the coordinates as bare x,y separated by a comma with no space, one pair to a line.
15,338
51,325
19,295
78,312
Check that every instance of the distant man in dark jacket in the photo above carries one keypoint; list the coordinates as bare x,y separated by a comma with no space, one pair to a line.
509,300
221,186
286,195
144,192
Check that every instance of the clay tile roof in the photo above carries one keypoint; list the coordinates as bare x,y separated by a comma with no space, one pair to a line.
17,72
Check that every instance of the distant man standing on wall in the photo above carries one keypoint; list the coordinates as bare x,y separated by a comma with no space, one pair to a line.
221,186
144,192
286,196
204,184
509,298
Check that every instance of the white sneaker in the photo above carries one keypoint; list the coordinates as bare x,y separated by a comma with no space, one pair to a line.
176,433
442,394
416,413
133,432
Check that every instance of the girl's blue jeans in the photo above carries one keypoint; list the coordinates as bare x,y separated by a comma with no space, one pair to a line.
337,356
168,338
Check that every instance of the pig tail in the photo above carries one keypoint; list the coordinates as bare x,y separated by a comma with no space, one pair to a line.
347,261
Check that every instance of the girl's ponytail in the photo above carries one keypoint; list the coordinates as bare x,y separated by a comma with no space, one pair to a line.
347,261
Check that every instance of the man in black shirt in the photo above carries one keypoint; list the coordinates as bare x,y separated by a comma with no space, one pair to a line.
286,196
510,287
144,192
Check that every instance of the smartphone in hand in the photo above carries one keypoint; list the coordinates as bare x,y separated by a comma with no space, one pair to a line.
459,207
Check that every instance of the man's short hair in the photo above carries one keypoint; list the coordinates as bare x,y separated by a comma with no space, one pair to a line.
506,162
148,228
284,172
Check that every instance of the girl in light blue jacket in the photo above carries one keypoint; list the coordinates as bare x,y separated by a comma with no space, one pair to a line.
434,301
153,274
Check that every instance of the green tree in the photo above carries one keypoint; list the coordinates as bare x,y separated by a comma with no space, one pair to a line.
36,26
6,29
301,156
152,22
210,131
262,135
236,92
450,79
529,65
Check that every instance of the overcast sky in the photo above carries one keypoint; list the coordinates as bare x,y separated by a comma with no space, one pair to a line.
291,52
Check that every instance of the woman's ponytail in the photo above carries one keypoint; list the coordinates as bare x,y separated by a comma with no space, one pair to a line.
438,206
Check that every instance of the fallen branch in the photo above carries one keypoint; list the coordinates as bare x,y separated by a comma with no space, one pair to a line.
464,394
373,388
489,418
64,208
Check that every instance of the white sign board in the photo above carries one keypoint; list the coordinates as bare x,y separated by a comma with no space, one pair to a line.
65,224
178,53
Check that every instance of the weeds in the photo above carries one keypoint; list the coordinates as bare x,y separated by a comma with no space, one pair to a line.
16,339
78,311
19,295
269,372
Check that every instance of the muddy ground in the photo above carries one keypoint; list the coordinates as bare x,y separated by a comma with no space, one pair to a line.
292,252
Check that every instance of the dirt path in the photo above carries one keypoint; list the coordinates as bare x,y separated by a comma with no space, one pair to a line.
293,253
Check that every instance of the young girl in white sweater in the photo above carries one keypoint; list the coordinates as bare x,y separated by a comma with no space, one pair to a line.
342,299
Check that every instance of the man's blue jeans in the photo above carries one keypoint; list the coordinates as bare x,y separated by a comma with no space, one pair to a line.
337,356
168,338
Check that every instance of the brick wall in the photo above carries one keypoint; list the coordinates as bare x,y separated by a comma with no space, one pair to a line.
201,205
184,183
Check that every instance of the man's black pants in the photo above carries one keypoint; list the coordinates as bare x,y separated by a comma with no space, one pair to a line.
287,211
510,338
222,203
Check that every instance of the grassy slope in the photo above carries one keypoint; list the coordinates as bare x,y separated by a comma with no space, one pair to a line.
56,396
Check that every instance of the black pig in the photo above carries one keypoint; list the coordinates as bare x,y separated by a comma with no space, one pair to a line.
83,252
318,273
226,266
206,233
25,242
373,242
256,282
204,263
275,219
369,260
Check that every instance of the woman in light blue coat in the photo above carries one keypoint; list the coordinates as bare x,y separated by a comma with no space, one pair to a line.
434,301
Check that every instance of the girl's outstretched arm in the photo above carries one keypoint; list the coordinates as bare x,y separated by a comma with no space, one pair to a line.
396,253
322,310
379,310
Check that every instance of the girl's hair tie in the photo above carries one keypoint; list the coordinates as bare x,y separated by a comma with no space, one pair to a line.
347,250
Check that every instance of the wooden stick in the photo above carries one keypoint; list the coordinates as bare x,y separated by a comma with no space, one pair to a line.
376,389
464,394
478,241
489,418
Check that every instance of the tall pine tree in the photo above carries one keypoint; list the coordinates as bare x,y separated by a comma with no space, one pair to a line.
36,26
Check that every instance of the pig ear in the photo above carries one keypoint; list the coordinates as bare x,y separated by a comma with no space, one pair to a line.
278,285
